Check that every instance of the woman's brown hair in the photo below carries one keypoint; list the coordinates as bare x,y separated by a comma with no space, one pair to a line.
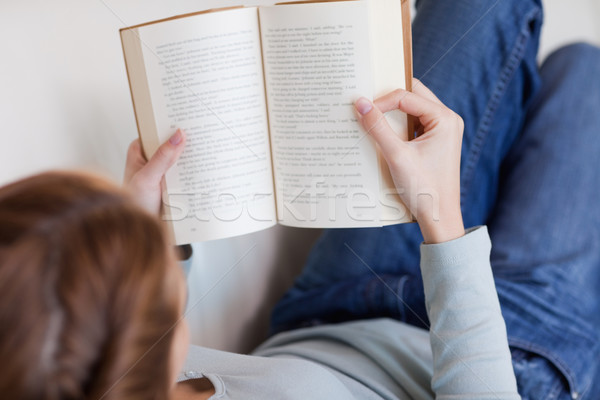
88,289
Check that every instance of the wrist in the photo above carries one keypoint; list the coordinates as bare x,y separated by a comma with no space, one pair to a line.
447,226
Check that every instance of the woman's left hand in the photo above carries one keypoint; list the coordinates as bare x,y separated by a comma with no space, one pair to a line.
144,178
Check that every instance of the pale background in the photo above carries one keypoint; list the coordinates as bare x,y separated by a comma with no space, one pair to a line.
65,103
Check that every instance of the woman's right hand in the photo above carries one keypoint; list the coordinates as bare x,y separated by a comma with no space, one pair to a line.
426,170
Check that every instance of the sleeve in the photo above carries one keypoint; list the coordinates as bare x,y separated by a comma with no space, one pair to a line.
471,358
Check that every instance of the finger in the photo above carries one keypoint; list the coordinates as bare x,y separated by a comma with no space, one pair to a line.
135,160
422,90
164,158
425,110
418,106
410,103
374,123
389,102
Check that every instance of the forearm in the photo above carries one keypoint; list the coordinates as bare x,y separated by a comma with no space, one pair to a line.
468,334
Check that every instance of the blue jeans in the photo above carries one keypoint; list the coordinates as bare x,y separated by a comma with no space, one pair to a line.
529,171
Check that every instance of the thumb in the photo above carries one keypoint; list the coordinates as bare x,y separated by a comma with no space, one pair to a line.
374,123
164,158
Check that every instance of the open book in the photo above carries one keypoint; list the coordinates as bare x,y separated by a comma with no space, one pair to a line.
265,96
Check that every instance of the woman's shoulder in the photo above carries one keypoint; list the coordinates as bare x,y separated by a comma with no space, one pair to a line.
253,377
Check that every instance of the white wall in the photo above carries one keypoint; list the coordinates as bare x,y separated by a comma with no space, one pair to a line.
569,21
65,103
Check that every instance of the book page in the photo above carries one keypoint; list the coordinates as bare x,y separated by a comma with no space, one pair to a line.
388,65
205,76
316,59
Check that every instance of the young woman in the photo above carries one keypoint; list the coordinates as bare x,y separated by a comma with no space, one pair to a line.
92,295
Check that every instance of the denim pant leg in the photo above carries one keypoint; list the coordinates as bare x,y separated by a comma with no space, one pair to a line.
479,57
545,232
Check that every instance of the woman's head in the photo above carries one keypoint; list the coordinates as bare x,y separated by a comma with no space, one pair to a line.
89,293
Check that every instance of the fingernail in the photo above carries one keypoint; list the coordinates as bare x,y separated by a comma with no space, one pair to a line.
176,138
363,106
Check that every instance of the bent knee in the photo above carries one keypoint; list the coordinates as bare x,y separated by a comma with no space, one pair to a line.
573,71
580,57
